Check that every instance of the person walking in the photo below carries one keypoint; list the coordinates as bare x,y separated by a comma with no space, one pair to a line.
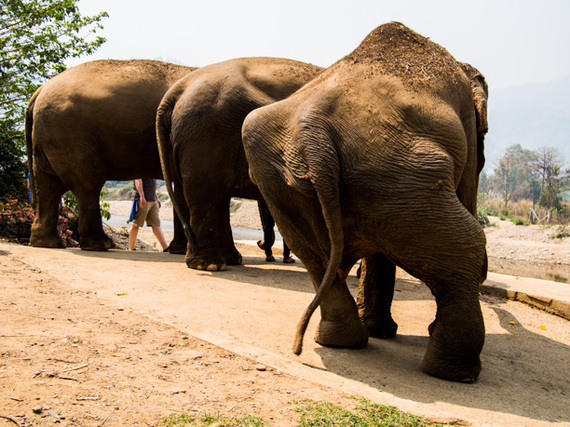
269,236
148,205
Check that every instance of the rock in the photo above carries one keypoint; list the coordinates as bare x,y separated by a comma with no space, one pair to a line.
37,409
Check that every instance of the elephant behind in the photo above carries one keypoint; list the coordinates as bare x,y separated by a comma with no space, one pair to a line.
378,158
199,133
93,123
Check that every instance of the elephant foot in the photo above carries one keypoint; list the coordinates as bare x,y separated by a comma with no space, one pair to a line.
385,328
93,244
233,258
431,326
198,263
453,353
177,247
40,240
450,367
342,334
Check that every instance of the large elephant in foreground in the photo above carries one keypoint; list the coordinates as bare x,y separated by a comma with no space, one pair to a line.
89,124
199,133
378,158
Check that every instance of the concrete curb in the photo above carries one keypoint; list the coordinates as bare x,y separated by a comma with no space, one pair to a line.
552,297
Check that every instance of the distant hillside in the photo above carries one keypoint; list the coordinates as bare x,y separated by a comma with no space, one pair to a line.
533,115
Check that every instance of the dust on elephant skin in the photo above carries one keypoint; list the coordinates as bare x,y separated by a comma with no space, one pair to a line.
378,158
89,124
199,132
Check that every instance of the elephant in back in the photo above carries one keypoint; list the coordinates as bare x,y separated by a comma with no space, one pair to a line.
92,123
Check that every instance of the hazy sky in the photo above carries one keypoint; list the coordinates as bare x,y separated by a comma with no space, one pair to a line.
511,41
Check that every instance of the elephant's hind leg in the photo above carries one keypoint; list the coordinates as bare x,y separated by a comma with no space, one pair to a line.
44,229
375,295
91,234
340,325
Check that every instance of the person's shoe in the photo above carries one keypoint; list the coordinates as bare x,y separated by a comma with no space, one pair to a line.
269,258
167,249
288,260
133,249
261,244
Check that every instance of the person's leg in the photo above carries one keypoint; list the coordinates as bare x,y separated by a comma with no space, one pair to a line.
287,254
159,236
268,236
133,233
136,224
153,219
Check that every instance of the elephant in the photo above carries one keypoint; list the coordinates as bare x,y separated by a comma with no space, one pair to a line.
378,158
92,123
198,126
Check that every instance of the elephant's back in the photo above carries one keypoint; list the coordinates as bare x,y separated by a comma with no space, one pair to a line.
110,79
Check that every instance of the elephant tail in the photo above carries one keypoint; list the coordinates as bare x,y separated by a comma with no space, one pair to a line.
29,125
326,187
163,128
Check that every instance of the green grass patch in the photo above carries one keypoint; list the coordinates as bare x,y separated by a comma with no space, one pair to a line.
520,221
185,419
366,414
313,414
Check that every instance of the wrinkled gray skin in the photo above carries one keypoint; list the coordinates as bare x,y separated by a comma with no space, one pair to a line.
378,158
199,132
89,124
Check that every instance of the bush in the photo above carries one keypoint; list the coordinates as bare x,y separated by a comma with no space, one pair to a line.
16,220
482,216
520,221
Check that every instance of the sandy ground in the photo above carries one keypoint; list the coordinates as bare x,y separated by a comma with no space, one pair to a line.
125,338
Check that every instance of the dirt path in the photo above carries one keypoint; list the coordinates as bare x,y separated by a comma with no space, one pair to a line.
125,338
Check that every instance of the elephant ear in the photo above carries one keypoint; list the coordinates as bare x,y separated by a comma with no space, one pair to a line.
479,93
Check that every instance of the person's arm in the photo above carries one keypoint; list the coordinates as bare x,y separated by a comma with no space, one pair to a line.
140,190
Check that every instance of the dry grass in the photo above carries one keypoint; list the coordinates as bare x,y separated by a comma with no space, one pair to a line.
521,209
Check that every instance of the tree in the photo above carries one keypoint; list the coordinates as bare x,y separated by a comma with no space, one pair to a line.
36,37
553,182
513,175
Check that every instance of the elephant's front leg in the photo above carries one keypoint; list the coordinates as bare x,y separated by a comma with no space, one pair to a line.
48,197
375,295
91,234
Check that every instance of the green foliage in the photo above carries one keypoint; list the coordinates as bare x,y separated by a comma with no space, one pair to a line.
482,216
367,414
12,167
36,37
520,221
70,201
562,231
189,420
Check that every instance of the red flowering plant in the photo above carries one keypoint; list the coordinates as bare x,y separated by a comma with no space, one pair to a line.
16,218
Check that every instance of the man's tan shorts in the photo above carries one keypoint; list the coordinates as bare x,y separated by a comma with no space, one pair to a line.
148,213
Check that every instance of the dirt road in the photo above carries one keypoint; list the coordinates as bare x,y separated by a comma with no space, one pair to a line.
125,338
